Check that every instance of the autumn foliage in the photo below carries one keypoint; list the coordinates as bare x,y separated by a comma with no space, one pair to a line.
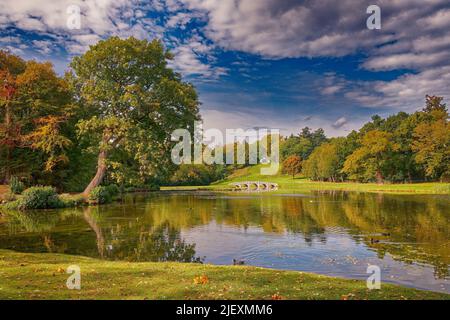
292,165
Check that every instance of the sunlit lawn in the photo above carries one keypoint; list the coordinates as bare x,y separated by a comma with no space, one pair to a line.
300,184
43,276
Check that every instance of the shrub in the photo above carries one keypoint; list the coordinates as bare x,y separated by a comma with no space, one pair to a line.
153,187
113,190
39,198
16,186
100,195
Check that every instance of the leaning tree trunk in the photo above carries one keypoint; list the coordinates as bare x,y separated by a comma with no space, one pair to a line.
98,231
101,170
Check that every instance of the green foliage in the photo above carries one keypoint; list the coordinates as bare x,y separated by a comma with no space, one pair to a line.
323,163
302,144
100,195
369,161
16,186
113,190
197,174
133,102
121,102
432,140
41,197
400,148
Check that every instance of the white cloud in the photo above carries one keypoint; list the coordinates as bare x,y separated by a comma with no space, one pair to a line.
43,46
406,92
339,123
414,36
407,61
226,119
193,57
440,19
99,19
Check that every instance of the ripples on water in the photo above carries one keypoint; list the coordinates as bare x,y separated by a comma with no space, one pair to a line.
336,233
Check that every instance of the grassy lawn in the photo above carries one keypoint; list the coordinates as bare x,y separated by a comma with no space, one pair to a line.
42,276
288,184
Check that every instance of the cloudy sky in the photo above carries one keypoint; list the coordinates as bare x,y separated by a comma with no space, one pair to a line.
263,63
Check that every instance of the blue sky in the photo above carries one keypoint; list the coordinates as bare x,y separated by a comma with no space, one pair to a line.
263,63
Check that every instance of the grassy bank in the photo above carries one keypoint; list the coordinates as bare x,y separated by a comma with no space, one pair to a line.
42,276
288,184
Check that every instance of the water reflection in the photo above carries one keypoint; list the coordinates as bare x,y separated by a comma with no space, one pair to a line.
329,232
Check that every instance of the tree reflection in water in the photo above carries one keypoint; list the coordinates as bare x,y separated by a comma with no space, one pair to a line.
413,229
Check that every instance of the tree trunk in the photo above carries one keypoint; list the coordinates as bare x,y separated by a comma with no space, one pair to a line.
379,177
101,170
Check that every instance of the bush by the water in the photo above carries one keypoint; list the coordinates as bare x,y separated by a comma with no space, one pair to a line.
113,190
37,198
100,195
197,175
16,186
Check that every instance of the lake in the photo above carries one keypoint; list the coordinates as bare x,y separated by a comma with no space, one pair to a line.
331,233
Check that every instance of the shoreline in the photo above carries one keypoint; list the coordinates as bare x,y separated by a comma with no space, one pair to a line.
432,188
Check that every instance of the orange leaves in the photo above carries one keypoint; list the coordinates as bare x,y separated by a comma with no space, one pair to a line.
276,296
203,279
292,165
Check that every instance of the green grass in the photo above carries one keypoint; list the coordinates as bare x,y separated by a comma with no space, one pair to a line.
43,276
288,184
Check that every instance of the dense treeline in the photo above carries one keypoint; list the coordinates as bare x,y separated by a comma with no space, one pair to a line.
401,148
108,120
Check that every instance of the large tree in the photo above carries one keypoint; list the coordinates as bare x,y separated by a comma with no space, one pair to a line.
323,163
292,165
35,104
133,102
10,67
432,139
303,143
368,161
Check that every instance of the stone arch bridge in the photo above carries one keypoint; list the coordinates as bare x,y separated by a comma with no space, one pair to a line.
254,186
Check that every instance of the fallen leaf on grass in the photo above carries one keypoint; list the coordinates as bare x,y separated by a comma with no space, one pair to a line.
276,296
203,279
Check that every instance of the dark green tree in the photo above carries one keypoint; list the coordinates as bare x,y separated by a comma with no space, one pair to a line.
133,102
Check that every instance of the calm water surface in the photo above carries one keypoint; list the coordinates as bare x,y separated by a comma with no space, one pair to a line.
332,233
